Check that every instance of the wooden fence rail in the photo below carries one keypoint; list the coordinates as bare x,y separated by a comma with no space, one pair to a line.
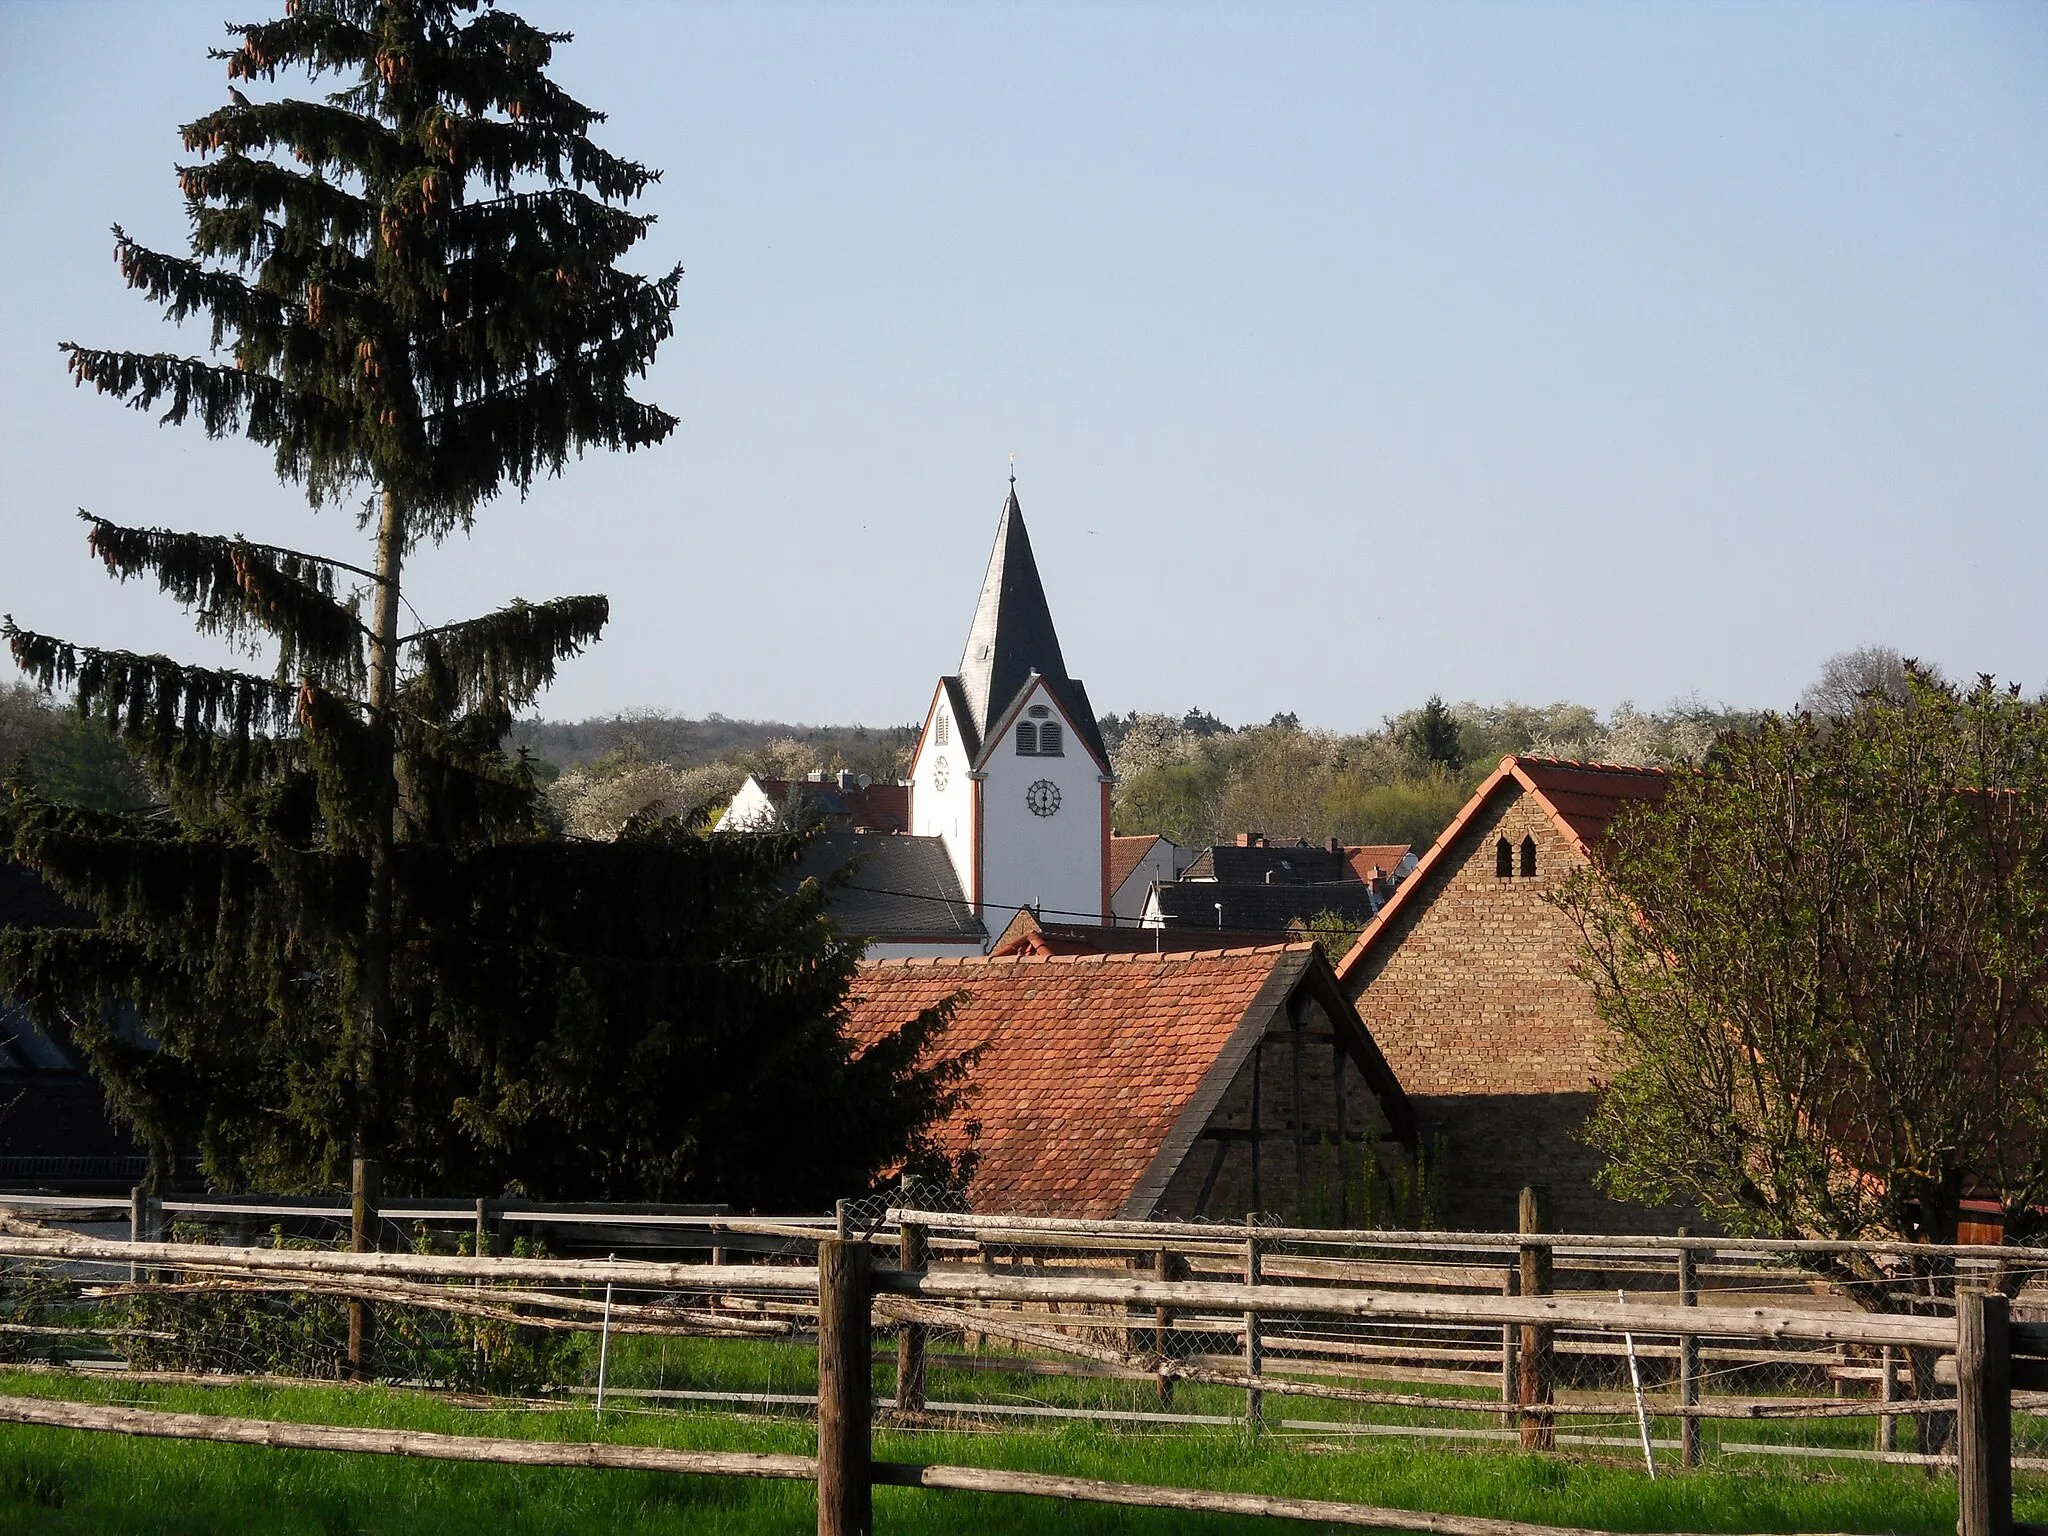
1154,1232
847,1286
1565,1310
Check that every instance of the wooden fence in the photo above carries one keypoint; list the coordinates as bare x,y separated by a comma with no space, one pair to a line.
844,1292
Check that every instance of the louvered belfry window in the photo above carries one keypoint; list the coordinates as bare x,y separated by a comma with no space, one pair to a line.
1049,743
1027,740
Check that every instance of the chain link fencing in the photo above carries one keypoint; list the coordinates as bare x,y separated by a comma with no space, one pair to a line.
748,1344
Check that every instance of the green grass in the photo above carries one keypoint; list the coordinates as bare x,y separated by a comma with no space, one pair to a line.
59,1481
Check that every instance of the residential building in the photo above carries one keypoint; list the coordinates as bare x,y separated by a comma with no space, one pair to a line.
1257,886
838,802
1136,864
1028,934
900,893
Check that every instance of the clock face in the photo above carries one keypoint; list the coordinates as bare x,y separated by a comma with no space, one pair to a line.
940,773
1043,797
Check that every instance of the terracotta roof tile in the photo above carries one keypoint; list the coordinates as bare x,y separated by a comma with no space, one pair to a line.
1087,1060
1587,796
1125,854
1366,858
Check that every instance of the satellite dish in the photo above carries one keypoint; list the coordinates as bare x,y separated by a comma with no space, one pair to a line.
865,781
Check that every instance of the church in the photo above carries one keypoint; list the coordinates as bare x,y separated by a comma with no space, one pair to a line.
1010,773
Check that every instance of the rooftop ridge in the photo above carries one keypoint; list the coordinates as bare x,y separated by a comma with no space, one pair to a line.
1126,957
1645,770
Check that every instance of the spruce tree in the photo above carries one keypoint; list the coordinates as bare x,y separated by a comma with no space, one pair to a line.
352,934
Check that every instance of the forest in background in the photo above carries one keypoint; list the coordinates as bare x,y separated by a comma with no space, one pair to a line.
1191,776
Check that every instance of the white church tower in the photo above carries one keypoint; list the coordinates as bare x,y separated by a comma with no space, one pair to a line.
1011,771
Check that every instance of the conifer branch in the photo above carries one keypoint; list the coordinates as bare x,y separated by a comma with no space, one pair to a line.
250,190
185,287
199,728
313,436
236,586
504,659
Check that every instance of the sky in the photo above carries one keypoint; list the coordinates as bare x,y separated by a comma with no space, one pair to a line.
1348,353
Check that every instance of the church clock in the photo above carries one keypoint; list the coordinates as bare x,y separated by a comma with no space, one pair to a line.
1043,797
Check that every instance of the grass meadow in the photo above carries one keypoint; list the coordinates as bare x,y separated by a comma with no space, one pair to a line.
55,1481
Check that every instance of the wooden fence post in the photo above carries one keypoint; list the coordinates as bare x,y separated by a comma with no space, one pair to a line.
1539,1430
1888,1392
1983,1414
145,1225
1688,1357
846,1391
1254,1350
910,1337
1510,1338
364,1196
1165,1268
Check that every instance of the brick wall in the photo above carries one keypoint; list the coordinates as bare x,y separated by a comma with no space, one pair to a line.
1296,1150
1473,1000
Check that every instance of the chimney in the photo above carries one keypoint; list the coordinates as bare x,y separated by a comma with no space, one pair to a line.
815,776
846,784
1333,846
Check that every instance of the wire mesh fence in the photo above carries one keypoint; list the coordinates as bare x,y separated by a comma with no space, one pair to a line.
727,1333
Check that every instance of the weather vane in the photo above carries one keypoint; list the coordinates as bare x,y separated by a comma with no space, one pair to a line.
1013,471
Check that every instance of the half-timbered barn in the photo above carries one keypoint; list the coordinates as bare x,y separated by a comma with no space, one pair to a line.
1142,1085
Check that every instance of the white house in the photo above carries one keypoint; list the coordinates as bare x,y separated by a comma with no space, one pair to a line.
1010,772
1136,864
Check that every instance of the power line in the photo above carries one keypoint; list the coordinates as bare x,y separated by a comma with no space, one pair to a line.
1091,917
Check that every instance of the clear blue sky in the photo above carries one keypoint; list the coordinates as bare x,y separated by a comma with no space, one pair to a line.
1350,353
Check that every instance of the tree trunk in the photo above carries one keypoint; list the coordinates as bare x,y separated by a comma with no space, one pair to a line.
375,975
1934,1429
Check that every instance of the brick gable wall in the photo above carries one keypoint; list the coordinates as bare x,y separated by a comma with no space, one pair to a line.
1472,999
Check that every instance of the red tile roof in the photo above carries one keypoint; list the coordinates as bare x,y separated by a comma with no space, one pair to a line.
1384,857
1087,1062
877,808
1582,799
1125,855
1027,935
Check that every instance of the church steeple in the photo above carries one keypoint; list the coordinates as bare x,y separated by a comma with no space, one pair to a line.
1012,634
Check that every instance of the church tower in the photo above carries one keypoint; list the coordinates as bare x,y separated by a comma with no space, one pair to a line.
1010,770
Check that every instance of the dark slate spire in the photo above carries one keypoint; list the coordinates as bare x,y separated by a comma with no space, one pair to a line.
1012,635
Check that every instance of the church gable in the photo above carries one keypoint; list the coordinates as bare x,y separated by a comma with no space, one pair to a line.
1039,723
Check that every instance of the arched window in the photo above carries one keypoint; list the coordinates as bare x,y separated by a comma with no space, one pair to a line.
1504,859
1049,743
1528,857
1027,740
944,730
